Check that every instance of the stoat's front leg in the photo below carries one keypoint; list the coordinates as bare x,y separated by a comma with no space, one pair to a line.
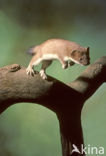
64,63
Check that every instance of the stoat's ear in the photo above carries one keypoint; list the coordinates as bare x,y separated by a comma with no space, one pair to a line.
74,52
87,49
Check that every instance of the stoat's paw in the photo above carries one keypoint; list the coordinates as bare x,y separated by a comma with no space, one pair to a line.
43,75
64,66
30,71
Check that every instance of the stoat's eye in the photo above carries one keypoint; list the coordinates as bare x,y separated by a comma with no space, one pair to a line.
80,59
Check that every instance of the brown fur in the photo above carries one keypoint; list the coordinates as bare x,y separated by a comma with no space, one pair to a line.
60,49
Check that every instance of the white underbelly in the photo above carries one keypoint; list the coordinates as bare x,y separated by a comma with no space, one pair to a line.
45,57
50,57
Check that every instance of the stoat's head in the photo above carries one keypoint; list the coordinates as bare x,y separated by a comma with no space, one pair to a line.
81,56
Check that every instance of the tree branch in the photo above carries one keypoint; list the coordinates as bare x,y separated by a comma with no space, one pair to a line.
89,81
65,100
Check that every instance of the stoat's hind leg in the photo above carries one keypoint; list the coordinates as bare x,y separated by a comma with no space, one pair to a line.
45,64
30,70
36,59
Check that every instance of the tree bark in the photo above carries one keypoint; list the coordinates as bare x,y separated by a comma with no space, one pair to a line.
65,100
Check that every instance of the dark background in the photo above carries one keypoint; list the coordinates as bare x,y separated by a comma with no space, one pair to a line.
32,130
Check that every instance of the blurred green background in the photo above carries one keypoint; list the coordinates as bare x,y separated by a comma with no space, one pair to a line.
32,130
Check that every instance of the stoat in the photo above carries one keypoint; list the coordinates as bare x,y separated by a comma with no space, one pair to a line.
67,52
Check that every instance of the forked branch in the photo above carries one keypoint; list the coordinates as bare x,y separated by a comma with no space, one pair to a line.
65,100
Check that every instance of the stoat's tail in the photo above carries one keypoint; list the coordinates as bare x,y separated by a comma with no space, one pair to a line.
33,50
